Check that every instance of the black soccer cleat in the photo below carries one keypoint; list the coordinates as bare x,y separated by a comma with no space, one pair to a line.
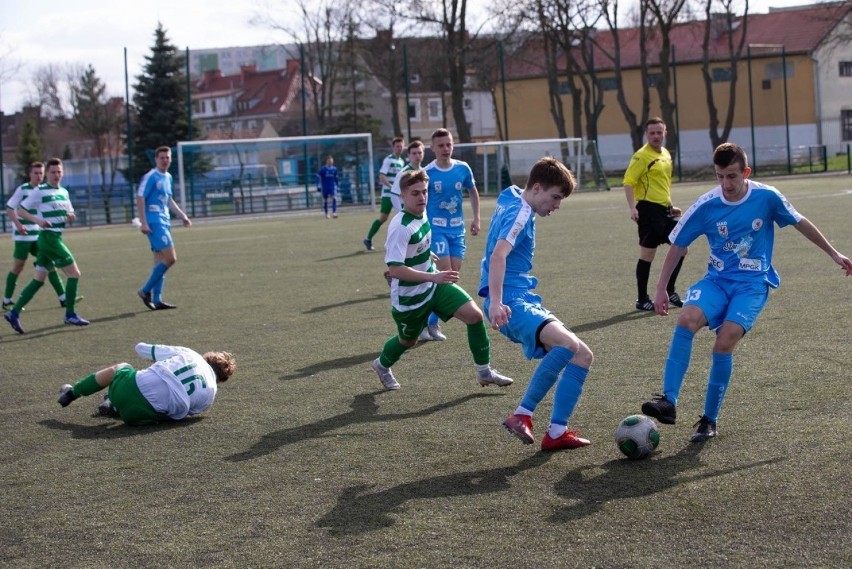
645,304
704,429
66,395
163,306
146,299
675,300
660,409
105,408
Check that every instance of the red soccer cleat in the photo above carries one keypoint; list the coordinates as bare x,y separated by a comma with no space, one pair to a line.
521,427
568,440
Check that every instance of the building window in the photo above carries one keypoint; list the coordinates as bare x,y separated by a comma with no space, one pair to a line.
435,109
721,74
252,124
608,83
213,106
564,88
654,79
468,104
846,68
775,70
414,78
846,125
414,111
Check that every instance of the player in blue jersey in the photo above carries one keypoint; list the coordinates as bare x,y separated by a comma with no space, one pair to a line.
153,201
448,180
181,382
738,218
329,185
511,306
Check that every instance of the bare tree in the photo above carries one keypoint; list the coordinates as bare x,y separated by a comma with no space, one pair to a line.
716,26
98,117
323,28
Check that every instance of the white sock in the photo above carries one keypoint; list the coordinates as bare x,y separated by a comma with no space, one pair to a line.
482,369
523,411
555,431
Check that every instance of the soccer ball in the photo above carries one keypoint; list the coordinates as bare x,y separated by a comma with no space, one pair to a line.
637,436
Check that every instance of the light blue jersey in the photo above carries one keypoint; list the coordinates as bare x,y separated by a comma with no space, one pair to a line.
741,235
446,190
156,188
514,221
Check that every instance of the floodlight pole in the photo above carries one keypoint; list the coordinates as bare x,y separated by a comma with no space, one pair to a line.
407,91
129,137
503,89
786,108
677,116
751,113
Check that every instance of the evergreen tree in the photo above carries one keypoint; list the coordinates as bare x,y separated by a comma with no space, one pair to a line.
160,103
29,149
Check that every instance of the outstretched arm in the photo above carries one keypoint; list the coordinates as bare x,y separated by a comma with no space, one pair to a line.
809,230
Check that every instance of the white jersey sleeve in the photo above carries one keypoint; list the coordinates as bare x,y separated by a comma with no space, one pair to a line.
185,385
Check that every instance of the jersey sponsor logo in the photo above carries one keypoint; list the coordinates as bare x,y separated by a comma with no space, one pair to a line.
717,263
451,206
439,222
722,228
456,222
744,246
756,224
747,264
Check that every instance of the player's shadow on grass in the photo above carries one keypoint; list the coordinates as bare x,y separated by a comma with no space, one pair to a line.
347,256
337,364
114,429
38,333
383,296
625,479
364,409
360,510
611,321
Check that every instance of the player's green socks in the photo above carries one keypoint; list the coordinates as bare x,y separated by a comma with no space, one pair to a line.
392,351
71,295
56,283
480,344
86,386
374,229
11,281
27,295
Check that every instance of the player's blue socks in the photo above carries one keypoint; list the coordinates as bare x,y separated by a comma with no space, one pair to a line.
568,393
157,291
334,205
433,319
720,375
545,376
677,363
156,274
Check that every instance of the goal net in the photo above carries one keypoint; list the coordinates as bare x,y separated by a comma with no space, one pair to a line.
496,165
226,177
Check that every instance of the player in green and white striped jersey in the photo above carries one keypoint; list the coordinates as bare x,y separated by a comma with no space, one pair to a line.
25,235
391,166
418,288
53,206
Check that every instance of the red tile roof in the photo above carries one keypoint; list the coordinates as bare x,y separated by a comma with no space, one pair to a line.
262,92
799,30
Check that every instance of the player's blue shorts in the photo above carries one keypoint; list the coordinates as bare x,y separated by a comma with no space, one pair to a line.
528,318
448,245
725,300
329,193
160,237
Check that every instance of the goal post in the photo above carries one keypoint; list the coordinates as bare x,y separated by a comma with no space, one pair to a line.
257,175
499,164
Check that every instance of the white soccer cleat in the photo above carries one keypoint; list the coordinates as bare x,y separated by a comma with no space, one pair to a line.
435,332
491,377
385,375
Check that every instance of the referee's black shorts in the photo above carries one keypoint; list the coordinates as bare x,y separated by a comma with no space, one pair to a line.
655,223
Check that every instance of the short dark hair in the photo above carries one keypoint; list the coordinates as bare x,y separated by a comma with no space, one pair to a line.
654,120
54,162
549,172
415,144
441,133
35,165
411,177
729,153
397,139
162,149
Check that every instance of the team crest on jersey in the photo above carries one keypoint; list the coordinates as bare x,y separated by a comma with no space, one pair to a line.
722,228
756,224
437,186
459,186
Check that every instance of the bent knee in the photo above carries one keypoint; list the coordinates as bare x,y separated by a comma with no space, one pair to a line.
583,357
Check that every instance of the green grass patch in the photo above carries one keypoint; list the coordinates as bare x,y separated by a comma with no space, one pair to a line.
304,462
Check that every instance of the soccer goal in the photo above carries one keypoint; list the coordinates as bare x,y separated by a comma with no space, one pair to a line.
496,165
226,177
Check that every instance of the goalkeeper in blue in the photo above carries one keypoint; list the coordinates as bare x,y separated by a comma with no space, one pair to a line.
180,383
738,218
517,312
329,185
